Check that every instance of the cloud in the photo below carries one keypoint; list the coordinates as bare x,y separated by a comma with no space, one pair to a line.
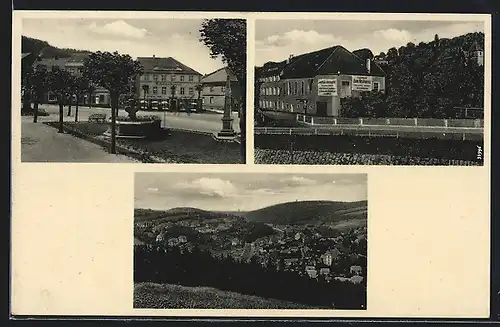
152,189
299,36
118,28
211,187
394,35
298,181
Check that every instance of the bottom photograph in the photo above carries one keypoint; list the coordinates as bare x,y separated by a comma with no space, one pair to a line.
250,241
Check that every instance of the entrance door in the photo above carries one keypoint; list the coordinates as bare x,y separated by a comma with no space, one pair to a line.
321,108
345,89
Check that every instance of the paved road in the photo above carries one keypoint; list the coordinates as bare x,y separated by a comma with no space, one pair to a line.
203,122
42,143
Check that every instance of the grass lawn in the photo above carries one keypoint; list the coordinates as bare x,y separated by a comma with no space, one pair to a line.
172,146
168,296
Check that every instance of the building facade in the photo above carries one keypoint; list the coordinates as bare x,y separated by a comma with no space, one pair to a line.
313,83
214,89
166,82
73,65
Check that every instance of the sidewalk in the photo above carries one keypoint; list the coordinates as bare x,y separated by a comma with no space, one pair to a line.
42,143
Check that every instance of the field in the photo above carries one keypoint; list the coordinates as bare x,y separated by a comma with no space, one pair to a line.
168,296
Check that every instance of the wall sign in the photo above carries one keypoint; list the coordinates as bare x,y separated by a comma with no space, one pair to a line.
362,83
327,87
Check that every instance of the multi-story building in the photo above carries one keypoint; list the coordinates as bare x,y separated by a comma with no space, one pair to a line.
166,82
313,83
214,89
73,65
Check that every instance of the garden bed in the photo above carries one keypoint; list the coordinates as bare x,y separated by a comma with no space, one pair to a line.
284,157
369,147
169,146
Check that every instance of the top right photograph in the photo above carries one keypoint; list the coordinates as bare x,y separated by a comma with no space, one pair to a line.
370,92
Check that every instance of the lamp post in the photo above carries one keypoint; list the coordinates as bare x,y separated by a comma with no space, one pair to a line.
227,121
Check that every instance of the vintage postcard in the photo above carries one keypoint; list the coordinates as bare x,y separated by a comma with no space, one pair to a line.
254,165
154,90
372,92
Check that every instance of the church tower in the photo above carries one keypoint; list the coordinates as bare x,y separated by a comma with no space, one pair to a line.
476,54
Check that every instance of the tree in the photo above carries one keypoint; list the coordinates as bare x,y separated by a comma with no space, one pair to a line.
226,38
81,87
114,72
58,82
72,90
38,87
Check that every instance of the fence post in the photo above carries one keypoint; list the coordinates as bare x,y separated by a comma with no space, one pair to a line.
416,121
446,123
361,121
334,121
387,121
312,120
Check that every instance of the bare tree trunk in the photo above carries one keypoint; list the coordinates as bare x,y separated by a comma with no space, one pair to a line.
69,105
61,115
35,111
90,100
114,105
76,108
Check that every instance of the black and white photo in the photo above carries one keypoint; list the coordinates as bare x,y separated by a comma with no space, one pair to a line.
250,241
133,90
369,92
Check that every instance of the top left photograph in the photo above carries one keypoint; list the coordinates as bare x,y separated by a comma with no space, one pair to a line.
121,90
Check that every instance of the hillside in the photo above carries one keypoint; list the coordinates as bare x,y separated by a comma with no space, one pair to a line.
303,212
168,296
177,214
36,46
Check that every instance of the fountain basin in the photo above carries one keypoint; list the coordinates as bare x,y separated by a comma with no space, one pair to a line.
135,129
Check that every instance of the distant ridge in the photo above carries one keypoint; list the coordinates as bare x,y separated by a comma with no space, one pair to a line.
289,213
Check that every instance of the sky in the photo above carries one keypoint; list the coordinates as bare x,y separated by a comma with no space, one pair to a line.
276,40
243,191
178,38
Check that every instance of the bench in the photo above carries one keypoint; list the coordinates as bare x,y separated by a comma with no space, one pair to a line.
97,118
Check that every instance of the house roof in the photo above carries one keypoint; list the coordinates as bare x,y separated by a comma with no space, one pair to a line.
333,60
156,64
220,75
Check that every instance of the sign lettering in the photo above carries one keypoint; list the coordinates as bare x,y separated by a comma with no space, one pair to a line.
327,87
362,83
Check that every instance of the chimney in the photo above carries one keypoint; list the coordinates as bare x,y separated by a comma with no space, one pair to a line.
368,65
154,56
289,58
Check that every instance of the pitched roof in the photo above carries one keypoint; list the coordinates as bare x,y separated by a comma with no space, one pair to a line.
329,61
220,75
152,64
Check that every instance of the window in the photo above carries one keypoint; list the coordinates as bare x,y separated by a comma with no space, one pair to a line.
291,107
172,78
155,77
211,100
223,89
211,89
163,78
146,77
289,88
282,105
164,90
182,78
302,87
310,85
190,78
295,88
191,91
182,90
155,90
345,83
375,86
